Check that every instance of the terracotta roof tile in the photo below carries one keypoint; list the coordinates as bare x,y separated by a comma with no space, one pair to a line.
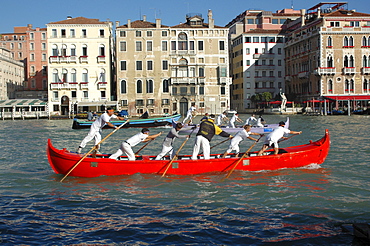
346,13
141,24
186,25
79,20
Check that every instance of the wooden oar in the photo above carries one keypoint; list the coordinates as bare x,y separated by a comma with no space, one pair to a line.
93,148
241,158
177,153
287,138
137,152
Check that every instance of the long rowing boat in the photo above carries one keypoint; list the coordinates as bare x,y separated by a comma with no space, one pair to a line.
150,122
62,160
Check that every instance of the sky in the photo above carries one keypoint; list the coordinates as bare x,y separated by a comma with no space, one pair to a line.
172,12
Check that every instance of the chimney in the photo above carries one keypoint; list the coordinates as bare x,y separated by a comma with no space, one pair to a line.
117,24
144,17
157,23
303,13
29,26
128,23
211,23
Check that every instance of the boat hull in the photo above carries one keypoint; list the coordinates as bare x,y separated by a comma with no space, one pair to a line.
62,161
150,122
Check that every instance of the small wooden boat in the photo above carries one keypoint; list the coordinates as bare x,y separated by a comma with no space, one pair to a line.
150,122
267,128
290,157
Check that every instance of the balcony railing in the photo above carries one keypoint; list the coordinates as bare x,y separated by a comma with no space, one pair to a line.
83,59
184,80
84,85
101,59
64,59
326,70
365,70
349,70
61,85
102,85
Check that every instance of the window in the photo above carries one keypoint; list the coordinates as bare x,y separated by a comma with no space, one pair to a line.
122,33
256,39
138,46
250,21
139,65
85,76
201,72
55,76
164,45
139,86
345,41
279,51
247,51
63,33
55,95
54,33
149,65
123,87
73,94
248,39
122,46
275,21
173,45
84,33
43,36
149,86
123,66
124,102
72,33
103,94
43,57
101,50
84,50
330,42
191,45
223,90
164,33
200,45
85,94
222,45
201,90
138,34
73,50
282,21
330,61
248,62
43,46
73,76
164,65
149,46
165,102
149,33
32,46
166,86
182,41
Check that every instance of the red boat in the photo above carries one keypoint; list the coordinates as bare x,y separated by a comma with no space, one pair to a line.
62,161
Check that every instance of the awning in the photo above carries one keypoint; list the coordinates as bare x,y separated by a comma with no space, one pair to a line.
346,98
21,103
313,101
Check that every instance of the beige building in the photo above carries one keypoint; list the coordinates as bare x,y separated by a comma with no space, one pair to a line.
257,54
163,70
79,70
11,74
328,56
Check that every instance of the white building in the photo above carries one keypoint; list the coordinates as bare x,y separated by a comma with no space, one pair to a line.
11,75
79,70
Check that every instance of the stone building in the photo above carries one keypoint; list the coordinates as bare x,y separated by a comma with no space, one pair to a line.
11,74
166,69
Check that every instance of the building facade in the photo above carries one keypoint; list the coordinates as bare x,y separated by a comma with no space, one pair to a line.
163,69
11,74
79,65
327,56
257,64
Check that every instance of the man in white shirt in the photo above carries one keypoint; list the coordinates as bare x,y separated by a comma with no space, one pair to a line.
189,115
273,138
251,120
221,118
97,126
126,146
233,119
240,136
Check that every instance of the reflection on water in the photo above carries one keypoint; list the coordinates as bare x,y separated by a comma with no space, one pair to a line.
290,206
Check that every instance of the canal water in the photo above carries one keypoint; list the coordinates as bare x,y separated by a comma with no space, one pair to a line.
304,206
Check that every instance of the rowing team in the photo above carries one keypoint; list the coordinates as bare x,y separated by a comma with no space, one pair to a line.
207,130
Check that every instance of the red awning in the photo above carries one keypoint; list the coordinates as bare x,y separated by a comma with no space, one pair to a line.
273,102
345,98
313,101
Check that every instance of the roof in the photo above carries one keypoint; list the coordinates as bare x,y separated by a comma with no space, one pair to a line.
261,31
79,20
204,25
141,24
345,13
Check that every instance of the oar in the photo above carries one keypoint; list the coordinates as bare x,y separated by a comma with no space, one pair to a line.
177,153
137,152
287,138
93,148
217,144
241,158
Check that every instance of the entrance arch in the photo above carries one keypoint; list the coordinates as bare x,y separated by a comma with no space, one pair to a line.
184,106
64,105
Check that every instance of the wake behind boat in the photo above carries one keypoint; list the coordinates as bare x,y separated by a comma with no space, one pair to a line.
267,128
149,122
62,161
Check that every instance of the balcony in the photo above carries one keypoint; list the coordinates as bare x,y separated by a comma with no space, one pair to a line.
65,86
84,85
101,59
102,85
349,70
184,80
54,59
326,70
182,52
366,70
83,59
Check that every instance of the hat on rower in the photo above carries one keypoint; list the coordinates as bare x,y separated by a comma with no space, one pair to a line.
212,116
109,108
281,123
145,130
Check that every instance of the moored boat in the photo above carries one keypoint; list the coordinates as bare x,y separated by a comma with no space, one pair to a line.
62,161
149,122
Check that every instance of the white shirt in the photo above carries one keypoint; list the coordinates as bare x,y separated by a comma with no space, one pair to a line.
276,134
100,122
240,136
251,120
136,139
191,109
234,118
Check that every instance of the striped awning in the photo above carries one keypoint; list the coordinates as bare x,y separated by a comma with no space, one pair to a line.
21,103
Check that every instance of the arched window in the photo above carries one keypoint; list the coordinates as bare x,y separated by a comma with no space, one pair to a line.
64,75
55,50
101,50
345,61
351,61
345,41
364,41
149,86
350,41
182,41
365,86
85,75
166,86
55,76
330,42
139,86
330,86
201,72
346,85
73,75
352,85
183,68
73,50
84,50
364,61
330,61
123,87
102,77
